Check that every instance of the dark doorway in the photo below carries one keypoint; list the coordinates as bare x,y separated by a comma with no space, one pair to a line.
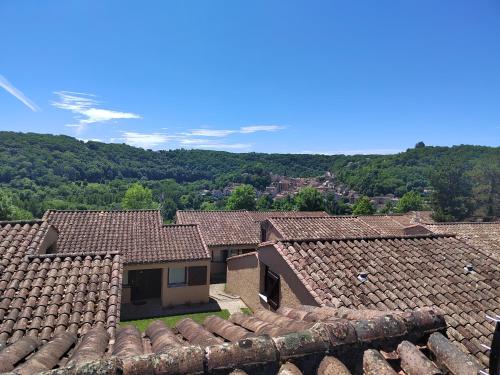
272,288
145,284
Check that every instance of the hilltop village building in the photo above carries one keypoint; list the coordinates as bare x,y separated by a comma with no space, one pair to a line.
354,294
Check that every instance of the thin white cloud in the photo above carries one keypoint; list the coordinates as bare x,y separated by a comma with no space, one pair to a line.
226,132
17,94
144,140
86,110
260,128
157,140
211,132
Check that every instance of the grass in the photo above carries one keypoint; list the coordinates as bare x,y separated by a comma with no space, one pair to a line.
246,311
171,321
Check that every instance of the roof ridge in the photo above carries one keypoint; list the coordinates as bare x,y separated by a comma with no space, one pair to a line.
463,222
180,225
369,238
120,210
31,221
215,211
71,255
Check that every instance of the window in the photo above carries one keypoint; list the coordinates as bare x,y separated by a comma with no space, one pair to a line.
272,288
176,276
219,256
197,275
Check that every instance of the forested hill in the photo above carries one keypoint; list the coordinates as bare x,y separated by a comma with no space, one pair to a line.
43,171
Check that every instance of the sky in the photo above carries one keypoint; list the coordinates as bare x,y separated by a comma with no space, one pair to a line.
267,76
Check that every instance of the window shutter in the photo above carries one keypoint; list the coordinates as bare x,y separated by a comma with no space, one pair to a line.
197,275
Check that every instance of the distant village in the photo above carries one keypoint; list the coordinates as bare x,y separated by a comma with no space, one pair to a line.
284,186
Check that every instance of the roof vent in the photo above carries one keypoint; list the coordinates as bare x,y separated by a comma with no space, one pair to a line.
363,277
469,268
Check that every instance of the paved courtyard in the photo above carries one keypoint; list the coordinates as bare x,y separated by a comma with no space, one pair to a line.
225,300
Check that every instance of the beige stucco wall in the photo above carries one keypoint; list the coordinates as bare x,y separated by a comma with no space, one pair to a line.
219,268
171,296
246,274
243,278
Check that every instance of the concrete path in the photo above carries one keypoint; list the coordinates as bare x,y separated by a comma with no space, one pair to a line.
226,300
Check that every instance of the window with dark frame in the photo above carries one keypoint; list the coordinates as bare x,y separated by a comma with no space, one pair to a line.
197,275
177,276
272,288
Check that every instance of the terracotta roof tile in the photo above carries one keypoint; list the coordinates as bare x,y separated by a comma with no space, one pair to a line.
220,228
329,341
223,227
483,236
138,235
299,228
417,270
41,302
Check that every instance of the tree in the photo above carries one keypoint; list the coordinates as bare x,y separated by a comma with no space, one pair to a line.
168,208
486,190
9,211
242,198
336,206
388,208
309,199
363,206
208,206
284,204
420,145
6,207
138,197
411,201
451,197
265,202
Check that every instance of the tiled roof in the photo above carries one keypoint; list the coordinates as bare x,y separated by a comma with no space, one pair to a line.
321,227
138,235
330,227
263,215
49,294
306,339
179,242
483,236
53,297
20,238
389,225
404,273
223,227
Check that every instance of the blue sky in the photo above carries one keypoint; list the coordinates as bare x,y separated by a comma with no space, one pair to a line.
267,76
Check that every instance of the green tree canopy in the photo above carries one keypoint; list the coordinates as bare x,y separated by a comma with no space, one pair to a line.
309,199
6,207
265,202
208,206
451,198
411,201
138,197
9,211
242,198
363,206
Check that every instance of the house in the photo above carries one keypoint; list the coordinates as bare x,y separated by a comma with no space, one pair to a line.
229,233
165,263
294,341
377,272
